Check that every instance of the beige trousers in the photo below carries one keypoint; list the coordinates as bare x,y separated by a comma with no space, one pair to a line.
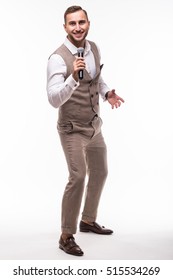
86,159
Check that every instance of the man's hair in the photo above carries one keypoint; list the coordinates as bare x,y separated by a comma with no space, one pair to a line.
74,9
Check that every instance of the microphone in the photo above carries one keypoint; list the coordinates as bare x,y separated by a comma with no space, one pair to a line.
80,53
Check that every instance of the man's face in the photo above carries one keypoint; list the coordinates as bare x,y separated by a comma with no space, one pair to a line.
77,26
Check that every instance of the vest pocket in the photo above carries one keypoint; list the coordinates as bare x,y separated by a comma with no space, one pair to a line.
65,127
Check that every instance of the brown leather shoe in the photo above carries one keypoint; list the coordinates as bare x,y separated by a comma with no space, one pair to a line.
70,247
96,228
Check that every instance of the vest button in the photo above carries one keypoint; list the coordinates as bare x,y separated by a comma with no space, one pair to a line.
92,95
97,93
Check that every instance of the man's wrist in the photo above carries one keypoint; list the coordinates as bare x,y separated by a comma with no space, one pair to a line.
75,77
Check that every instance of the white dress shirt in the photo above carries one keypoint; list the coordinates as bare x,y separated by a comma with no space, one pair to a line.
59,89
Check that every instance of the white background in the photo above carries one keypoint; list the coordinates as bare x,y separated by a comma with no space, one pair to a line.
136,42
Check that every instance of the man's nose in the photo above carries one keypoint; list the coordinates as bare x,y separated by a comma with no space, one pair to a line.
78,28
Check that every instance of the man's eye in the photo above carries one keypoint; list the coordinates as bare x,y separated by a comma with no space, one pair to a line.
82,22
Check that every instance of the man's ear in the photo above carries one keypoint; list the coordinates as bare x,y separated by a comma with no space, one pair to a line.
64,25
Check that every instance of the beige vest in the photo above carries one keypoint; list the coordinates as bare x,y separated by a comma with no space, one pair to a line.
81,111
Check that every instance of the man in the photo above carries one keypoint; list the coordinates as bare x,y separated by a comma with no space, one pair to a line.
79,125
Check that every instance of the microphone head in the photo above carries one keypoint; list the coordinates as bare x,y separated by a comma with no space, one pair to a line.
80,51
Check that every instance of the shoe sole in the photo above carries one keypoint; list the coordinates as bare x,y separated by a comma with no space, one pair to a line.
87,230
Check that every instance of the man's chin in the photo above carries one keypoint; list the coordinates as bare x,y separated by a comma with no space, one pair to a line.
80,38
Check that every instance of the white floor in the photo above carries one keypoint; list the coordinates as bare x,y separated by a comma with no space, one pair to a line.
119,246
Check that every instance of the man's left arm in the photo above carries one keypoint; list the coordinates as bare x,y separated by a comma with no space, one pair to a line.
103,88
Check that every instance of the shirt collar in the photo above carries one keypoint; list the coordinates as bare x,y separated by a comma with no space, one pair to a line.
73,49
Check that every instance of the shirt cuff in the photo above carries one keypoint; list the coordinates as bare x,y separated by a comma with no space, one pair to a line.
71,82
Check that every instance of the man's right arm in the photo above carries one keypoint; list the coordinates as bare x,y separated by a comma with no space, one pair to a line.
59,89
